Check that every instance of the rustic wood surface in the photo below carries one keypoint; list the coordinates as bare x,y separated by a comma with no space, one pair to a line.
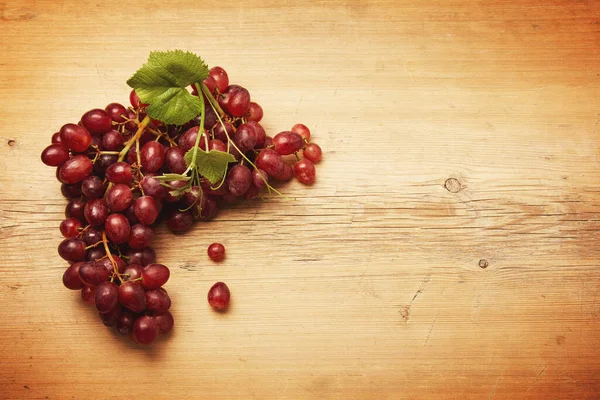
448,250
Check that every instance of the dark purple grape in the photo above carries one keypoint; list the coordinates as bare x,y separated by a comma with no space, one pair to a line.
95,253
130,214
75,209
103,162
180,221
145,330
133,272
70,191
91,236
71,277
70,227
174,160
140,236
117,228
112,141
131,296
92,187
75,137
245,137
125,323
119,172
270,161
142,257
152,187
106,296
75,169
111,317
96,121
92,274
164,321
96,212
116,112
238,179
146,210
154,276
72,249
152,156
287,142
157,300
56,154
119,198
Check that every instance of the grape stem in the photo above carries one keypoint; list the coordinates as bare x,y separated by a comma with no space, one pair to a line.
110,257
141,127
200,134
211,99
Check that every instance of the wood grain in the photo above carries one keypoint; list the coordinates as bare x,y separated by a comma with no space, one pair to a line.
448,249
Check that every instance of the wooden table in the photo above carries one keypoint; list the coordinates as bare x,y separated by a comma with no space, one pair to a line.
448,250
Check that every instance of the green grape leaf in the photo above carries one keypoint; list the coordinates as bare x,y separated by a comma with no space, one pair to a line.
162,84
212,165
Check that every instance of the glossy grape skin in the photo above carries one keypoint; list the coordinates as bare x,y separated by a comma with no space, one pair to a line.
92,187
216,144
140,236
106,296
112,141
145,330
92,274
152,187
304,171
218,296
95,253
287,142
152,156
117,228
260,133
221,78
119,172
116,112
164,321
270,161
312,152
221,131
255,112
119,198
109,267
188,139
96,212
142,257
135,101
170,198
75,208
56,138
180,221
210,83
216,251
70,227
158,301
133,271
91,236
96,121
146,210
56,154
239,179
245,137
75,169
72,249
131,296
70,191
155,276
103,162
302,130
87,294
125,323
71,278
239,102
260,178
174,160
75,137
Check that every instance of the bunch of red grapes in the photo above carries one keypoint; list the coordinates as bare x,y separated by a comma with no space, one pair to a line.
109,166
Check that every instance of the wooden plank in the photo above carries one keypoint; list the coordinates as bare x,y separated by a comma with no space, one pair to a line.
448,249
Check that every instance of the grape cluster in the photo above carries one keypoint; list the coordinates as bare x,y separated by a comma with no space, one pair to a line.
111,166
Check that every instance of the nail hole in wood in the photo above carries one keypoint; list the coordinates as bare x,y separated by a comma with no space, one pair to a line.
483,264
12,142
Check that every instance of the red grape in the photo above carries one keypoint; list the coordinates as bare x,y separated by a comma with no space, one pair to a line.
56,154
164,321
125,323
155,275
116,112
180,221
216,251
75,209
270,161
96,121
220,77
302,130
158,301
131,296
287,142
70,227
96,212
119,198
133,271
239,179
106,296
218,296
304,170
92,274
70,191
87,294
75,137
140,236
72,249
92,187
71,278
255,112
75,169
175,161
152,156
119,172
146,210
145,330
117,228
112,141
312,152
